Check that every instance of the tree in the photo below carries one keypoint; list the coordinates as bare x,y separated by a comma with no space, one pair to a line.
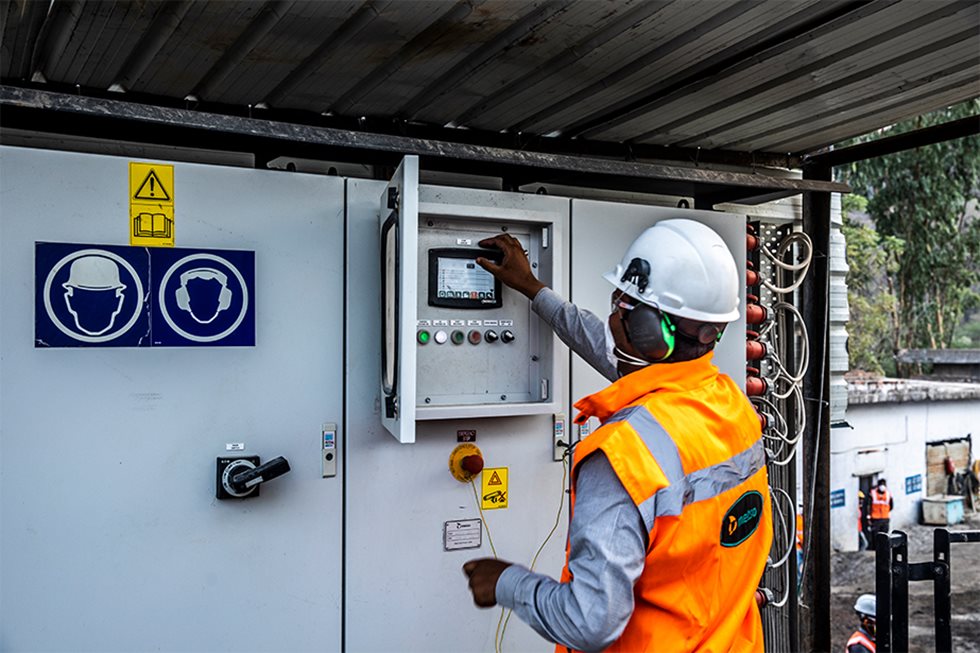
920,197
872,262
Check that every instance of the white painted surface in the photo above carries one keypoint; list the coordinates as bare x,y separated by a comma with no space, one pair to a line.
404,592
112,538
889,438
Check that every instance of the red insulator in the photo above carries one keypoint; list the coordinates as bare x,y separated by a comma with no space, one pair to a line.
751,278
763,419
755,314
755,350
756,386
751,242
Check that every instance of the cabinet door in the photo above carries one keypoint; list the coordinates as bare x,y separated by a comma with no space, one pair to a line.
399,224
112,537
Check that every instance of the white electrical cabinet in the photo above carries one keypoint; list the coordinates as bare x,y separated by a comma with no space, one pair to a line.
112,537
442,311
405,589
371,319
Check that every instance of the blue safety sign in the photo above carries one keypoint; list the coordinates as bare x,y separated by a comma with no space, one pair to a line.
837,499
203,298
112,296
91,296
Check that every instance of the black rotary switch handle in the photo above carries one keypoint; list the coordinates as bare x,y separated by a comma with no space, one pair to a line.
249,478
240,478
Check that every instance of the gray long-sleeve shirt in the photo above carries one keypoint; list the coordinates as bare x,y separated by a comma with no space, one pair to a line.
591,611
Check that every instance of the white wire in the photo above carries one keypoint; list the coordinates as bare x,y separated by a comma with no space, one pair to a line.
784,245
804,343
790,530
802,267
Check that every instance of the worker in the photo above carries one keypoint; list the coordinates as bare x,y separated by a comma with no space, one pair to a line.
881,508
862,538
671,520
863,639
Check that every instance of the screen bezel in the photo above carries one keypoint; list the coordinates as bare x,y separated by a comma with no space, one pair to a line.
469,253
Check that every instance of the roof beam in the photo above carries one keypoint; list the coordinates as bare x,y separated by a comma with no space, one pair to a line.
946,131
53,112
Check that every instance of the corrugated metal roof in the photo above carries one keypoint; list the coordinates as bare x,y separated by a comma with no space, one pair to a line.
747,75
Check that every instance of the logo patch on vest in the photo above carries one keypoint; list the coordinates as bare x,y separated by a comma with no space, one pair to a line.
742,519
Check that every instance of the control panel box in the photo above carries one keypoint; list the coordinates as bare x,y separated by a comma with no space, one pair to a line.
456,343
477,342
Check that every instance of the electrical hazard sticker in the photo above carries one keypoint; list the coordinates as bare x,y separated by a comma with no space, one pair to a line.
494,484
151,204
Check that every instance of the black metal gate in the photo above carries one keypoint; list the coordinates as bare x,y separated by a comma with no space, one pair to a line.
893,572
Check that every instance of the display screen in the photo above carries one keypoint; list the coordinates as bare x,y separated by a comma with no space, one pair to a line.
460,278
456,280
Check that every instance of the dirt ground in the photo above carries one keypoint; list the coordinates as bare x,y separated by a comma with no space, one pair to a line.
853,575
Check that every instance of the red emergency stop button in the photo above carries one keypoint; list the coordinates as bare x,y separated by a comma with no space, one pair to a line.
473,464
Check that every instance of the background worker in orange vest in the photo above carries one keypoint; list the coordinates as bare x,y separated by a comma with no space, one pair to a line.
671,519
881,508
863,639
862,521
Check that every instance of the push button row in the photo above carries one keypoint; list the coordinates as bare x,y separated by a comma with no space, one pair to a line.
458,337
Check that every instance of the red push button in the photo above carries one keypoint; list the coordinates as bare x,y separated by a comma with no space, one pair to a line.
473,463
475,337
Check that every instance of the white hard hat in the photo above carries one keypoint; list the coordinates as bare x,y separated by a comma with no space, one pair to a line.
683,268
93,273
865,605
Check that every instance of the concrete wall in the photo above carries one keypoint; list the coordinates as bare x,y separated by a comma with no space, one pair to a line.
891,423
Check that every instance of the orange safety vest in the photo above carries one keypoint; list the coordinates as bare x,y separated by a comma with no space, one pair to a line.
686,444
860,638
880,504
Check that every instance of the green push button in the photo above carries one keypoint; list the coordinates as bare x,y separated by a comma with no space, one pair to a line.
458,337
423,337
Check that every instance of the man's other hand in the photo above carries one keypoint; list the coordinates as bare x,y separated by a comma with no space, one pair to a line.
483,575
514,270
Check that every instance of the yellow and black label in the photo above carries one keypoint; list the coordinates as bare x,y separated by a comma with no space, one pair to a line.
151,204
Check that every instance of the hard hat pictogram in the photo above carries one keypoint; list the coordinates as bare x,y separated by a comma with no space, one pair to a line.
86,291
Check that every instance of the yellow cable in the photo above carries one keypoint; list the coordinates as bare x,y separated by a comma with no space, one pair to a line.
479,506
499,647
486,527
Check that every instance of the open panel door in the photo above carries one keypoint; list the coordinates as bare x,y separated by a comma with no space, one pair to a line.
399,221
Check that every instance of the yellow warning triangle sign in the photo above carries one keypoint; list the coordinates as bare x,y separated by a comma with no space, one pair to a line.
151,190
494,479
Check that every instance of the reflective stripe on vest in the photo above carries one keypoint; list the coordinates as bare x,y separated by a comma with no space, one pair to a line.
862,639
699,485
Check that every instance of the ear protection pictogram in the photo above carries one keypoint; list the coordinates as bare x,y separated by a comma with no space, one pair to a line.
183,297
